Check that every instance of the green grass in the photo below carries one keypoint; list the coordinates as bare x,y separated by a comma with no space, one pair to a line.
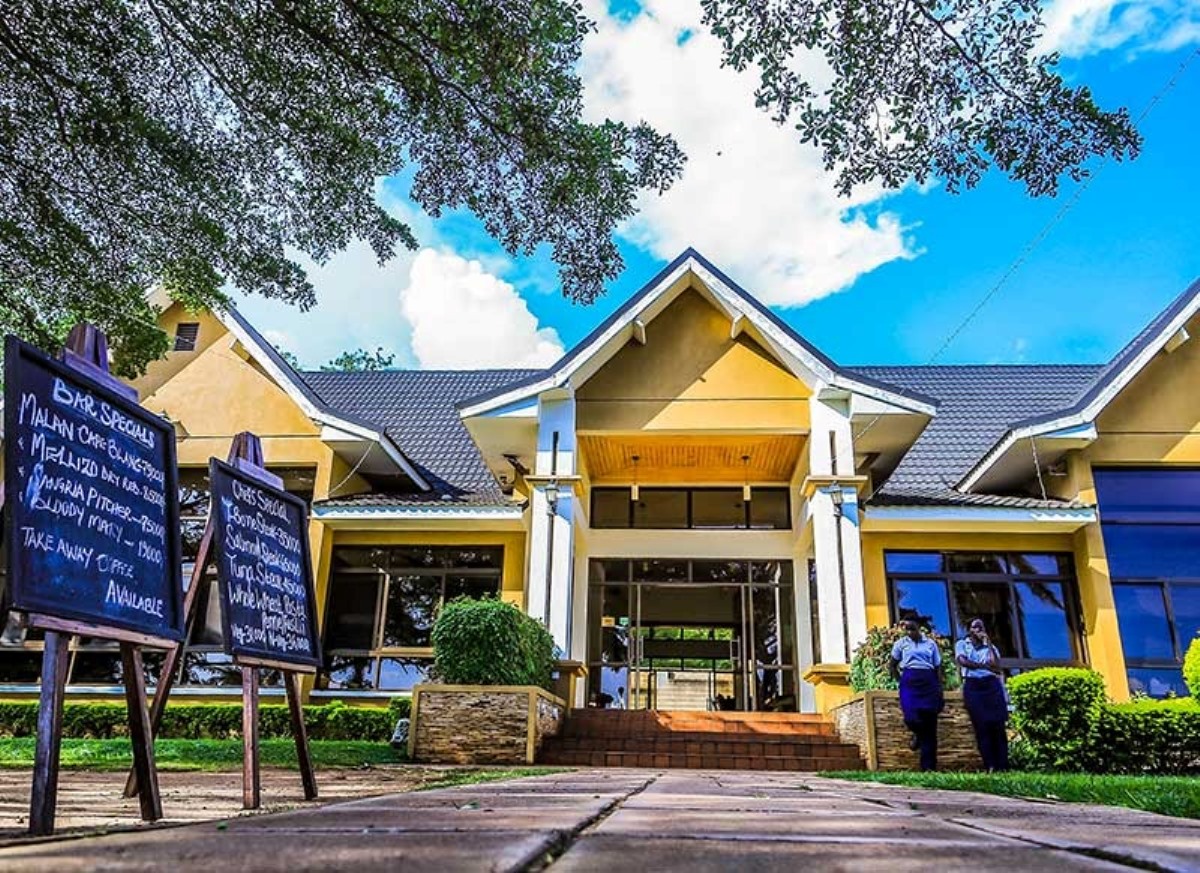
17,753
1168,795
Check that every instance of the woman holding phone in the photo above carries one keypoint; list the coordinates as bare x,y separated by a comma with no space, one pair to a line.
983,694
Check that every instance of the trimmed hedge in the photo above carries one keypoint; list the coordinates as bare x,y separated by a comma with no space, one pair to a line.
1147,736
1055,710
1191,668
194,721
490,642
1064,722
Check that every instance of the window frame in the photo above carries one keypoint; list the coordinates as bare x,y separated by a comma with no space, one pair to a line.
384,572
1012,661
690,491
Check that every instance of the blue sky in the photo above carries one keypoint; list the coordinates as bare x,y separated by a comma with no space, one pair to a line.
882,278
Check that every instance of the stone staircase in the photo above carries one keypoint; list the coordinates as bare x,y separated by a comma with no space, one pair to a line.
699,740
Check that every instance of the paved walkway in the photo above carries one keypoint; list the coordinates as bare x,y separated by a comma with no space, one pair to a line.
607,820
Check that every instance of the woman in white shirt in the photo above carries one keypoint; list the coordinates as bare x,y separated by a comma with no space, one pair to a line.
983,694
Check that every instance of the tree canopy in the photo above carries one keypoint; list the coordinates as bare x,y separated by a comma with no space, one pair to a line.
914,89
359,360
195,143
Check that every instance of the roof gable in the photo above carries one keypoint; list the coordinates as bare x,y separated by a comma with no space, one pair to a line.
692,271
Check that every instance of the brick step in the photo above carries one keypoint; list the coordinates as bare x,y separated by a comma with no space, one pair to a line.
698,762
698,715
592,727
706,744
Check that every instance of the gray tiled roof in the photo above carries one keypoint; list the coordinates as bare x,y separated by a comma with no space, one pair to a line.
416,408
977,404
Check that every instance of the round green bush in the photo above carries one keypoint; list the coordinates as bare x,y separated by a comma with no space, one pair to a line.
869,665
1056,711
1191,668
490,642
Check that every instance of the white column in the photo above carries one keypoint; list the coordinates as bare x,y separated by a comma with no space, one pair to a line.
552,523
852,569
836,544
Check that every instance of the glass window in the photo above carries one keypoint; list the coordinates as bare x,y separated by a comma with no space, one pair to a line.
1157,681
771,572
661,508
401,674
350,616
718,509
350,674
1138,551
1042,617
610,571
1148,496
770,509
924,600
611,508
1142,617
968,563
1185,605
412,603
660,571
20,666
991,602
1041,565
719,571
474,587
913,562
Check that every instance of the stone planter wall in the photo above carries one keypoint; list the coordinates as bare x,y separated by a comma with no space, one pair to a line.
872,720
481,724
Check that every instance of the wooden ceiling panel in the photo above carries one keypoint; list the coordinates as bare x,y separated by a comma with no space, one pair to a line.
667,459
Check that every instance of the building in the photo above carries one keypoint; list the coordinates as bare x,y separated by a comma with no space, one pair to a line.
706,510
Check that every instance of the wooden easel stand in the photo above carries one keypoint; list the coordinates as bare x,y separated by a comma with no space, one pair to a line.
87,352
246,454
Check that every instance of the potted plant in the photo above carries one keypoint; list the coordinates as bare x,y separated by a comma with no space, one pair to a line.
488,703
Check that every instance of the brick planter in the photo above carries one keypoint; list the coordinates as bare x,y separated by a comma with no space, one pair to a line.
872,720
481,724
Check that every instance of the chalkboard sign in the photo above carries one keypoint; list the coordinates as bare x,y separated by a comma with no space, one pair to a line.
268,609
92,494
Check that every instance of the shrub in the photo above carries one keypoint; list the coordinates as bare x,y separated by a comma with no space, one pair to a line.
104,720
1056,710
1147,736
490,642
869,665
1191,668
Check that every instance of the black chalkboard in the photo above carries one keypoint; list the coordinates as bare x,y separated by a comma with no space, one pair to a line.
268,609
92,500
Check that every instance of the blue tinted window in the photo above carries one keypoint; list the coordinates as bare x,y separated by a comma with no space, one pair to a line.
913,562
1157,681
1142,617
1041,565
1148,495
924,600
1042,610
1137,551
1185,604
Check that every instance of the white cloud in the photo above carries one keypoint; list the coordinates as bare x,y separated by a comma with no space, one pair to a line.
1077,28
752,198
463,317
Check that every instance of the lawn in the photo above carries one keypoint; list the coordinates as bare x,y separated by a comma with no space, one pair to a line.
1168,795
17,753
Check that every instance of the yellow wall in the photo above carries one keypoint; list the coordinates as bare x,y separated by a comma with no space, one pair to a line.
690,375
160,371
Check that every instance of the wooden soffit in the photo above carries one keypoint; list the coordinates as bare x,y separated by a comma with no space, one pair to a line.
666,459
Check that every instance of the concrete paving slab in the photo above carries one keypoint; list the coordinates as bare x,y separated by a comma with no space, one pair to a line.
340,819
604,854
881,826
487,799
1168,843
746,803
206,849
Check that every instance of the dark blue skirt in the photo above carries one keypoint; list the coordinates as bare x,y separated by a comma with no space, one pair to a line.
984,699
920,692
